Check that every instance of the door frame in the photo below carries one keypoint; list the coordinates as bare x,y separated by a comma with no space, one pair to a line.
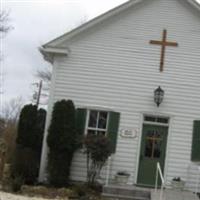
141,123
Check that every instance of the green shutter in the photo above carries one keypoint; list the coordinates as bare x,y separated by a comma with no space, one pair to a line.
113,126
81,120
196,142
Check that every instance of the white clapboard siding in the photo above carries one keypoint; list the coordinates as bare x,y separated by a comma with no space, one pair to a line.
113,65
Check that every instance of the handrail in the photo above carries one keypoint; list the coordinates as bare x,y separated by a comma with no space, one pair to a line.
159,172
198,180
108,170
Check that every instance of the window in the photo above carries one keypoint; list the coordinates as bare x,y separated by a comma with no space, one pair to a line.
155,119
97,122
153,144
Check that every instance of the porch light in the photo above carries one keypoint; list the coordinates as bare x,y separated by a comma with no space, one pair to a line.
158,96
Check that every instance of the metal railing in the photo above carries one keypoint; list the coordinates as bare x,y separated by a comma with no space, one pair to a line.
108,170
159,174
198,180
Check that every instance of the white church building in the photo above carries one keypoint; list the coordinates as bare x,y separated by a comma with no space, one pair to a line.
134,75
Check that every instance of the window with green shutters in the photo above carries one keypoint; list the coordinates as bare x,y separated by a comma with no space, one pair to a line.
196,142
98,122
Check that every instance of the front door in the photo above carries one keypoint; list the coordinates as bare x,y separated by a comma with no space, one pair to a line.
153,149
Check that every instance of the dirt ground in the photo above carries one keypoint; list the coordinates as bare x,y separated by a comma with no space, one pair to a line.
8,196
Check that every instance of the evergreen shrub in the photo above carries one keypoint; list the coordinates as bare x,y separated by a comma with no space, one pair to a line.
62,142
28,144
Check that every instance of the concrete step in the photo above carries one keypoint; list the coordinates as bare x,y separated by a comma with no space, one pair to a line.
122,197
125,192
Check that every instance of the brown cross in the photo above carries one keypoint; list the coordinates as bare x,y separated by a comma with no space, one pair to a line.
163,43
155,138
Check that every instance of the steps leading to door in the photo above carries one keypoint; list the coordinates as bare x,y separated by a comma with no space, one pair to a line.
115,192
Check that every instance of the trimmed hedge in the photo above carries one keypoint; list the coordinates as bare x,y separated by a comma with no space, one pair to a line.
62,142
28,144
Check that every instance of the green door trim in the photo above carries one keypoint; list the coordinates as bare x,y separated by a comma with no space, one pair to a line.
153,148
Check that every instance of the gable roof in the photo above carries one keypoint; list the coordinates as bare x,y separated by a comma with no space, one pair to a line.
52,47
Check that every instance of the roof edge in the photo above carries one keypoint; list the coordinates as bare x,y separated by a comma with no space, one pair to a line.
194,3
55,42
91,22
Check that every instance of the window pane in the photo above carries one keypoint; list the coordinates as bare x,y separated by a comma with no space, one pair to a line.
163,120
149,119
148,148
93,119
102,120
91,132
101,133
157,134
157,149
150,134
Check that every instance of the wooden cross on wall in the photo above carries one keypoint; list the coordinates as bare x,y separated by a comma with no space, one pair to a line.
163,44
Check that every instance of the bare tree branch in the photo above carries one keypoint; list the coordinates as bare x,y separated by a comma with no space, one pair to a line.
4,19
11,110
44,75
4,28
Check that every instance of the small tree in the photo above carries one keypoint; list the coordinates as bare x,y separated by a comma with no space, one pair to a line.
3,149
29,143
98,149
26,126
40,125
62,142
25,144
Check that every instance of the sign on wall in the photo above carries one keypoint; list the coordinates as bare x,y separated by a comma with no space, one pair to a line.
129,133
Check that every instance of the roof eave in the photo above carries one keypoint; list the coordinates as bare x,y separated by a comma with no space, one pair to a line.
194,4
49,52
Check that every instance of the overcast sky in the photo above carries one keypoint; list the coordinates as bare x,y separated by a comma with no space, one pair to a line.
36,22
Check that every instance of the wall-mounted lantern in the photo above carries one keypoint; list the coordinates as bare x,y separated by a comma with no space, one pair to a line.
158,96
